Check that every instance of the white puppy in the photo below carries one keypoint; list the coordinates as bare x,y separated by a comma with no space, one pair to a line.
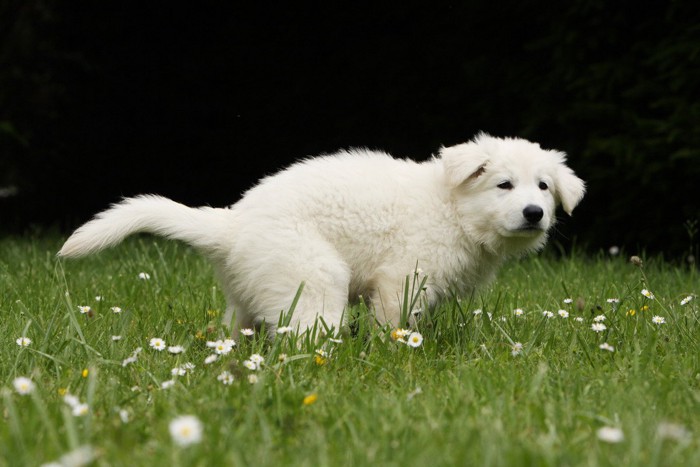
356,223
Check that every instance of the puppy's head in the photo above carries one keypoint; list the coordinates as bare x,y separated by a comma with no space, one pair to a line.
506,191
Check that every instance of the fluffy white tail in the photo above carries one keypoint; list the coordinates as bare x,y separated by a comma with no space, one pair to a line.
204,228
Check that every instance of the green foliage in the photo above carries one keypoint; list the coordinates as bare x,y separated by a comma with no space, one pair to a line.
460,398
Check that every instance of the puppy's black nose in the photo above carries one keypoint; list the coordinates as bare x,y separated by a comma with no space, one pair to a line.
533,213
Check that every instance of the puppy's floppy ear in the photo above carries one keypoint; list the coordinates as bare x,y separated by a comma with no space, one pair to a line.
569,188
462,162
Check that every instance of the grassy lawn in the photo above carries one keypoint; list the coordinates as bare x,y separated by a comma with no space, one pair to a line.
467,395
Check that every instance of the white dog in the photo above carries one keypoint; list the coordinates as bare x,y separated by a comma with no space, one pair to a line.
356,223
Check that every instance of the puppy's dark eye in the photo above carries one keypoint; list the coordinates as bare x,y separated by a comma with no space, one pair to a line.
543,186
505,186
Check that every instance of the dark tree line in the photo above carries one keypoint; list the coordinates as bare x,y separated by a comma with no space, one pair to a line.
100,100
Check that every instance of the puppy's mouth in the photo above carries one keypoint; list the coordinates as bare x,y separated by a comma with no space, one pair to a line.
528,230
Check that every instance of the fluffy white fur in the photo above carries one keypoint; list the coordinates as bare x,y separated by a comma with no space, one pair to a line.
357,223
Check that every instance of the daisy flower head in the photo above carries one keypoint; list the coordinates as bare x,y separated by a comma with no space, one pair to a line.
23,385
599,318
415,339
614,250
230,342
176,349
116,309
648,294
99,298
658,320
178,371
563,313
321,357
116,338
547,314
85,310
23,341
613,300
252,378
610,434
257,359
284,330
247,332
578,319
598,327
186,430
221,348
157,343
517,349
606,346
225,377
568,301
518,312
71,400
144,276
686,300
477,312
251,365
80,410
211,359
167,384
400,334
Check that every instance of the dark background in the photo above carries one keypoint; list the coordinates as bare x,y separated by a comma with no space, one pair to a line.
197,100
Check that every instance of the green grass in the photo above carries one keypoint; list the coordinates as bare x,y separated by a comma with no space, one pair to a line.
461,398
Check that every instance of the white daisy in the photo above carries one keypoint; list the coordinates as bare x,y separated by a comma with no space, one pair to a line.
176,349
23,385
178,371
686,300
516,349
599,318
23,341
144,276
225,377
167,384
211,359
518,312
547,314
610,434
80,409
116,338
116,309
477,312
579,319
563,313
284,330
84,309
99,298
247,332
157,343
613,300
257,359
606,346
598,327
648,294
186,430
250,365
124,415
658,320
415,339
221,348
568,301
252,378
71,400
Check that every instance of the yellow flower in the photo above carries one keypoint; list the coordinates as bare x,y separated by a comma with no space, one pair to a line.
310,399
62,391
85,373
212,313
631,312
644,308
200,336
320,360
